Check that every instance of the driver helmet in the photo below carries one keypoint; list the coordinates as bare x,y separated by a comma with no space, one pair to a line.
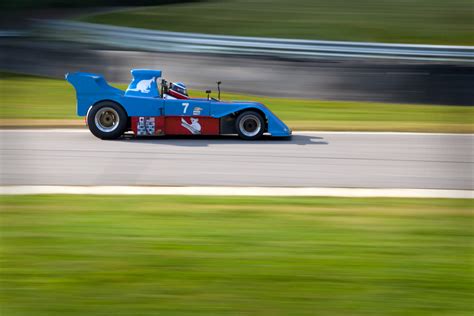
179,87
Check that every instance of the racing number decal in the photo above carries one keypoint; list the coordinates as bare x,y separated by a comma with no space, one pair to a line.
185,107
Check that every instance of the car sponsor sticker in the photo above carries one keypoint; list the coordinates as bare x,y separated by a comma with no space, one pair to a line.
197,111
146,126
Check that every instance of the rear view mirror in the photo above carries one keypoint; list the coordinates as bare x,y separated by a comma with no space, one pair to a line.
208,92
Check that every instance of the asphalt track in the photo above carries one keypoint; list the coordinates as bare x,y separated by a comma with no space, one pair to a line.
309,159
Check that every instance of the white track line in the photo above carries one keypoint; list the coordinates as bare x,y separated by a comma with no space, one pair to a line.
45,130
375,133
237,191
85,130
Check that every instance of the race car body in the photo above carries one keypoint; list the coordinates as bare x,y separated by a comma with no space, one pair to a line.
150,110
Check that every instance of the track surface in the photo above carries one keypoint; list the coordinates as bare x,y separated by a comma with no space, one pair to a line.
365,160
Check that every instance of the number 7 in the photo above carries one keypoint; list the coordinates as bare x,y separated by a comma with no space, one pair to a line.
185,107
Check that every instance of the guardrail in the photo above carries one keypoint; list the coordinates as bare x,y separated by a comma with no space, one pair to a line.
163,41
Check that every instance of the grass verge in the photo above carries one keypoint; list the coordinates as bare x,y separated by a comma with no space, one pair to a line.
37,101
416,21
169,255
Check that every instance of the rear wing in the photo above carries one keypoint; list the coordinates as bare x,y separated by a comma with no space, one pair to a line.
88,83
91,88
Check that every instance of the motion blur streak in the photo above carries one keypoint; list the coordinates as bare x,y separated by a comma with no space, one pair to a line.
330,79
148,40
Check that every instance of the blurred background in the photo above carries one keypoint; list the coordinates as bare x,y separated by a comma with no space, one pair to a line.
320,65
50,38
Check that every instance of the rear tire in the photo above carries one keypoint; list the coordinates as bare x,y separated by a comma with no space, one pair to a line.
250,125
107,120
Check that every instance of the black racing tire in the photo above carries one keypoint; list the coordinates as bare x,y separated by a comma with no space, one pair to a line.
250,125
107,120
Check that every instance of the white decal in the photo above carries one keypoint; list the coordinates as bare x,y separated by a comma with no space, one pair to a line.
146,126
194,127
168,97
197,111
143,86
185,107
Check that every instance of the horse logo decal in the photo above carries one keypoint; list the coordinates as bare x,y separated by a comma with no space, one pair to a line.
194,127
143,85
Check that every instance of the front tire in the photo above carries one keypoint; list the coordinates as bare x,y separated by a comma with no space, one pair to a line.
250,125
107,120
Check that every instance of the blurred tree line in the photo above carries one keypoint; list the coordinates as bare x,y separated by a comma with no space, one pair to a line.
44,4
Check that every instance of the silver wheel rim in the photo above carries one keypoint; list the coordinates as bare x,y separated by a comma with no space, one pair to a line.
107,119
250,125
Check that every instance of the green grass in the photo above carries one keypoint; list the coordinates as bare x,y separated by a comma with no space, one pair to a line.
407,21
28,97
23,96
145,255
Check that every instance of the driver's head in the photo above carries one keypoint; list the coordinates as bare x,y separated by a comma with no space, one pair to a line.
179,87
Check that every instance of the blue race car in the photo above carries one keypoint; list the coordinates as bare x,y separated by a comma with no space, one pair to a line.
151,106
